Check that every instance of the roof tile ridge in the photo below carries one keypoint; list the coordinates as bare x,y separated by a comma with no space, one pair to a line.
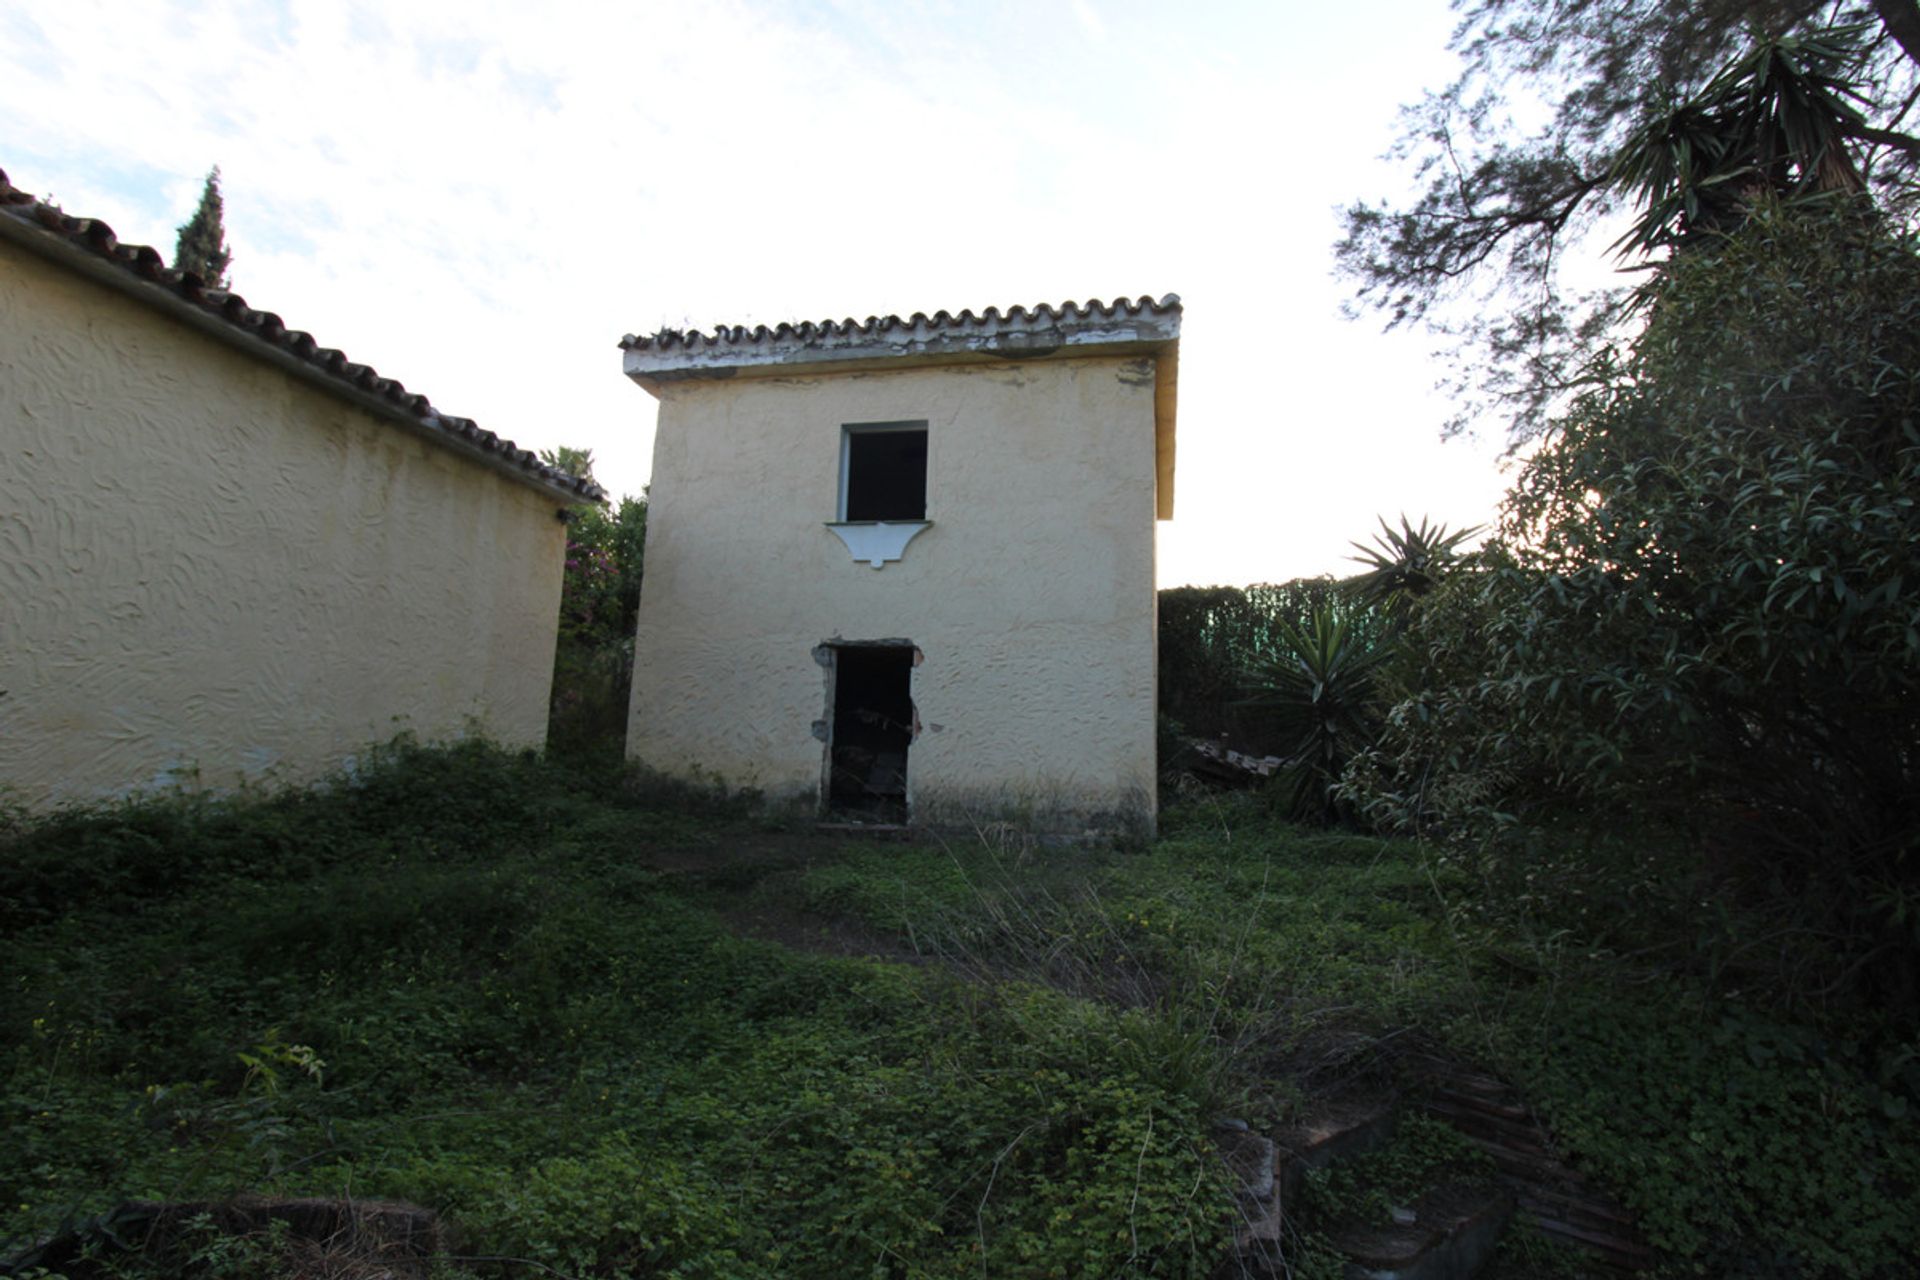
1094,309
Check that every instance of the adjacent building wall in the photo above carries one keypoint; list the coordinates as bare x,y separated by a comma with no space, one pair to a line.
213,573
1031,597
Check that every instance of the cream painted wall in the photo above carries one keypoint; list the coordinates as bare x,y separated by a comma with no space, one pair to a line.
1031,597
211,572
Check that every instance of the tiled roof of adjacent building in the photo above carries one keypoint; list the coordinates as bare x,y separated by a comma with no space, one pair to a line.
89,245
1090,315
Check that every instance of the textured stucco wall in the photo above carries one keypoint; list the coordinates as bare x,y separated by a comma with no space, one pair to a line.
211,572
1031,597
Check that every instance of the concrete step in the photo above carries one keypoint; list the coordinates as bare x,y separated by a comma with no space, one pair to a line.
1561,1203
1454,1228
1447,1234
1339,1131
1267,1170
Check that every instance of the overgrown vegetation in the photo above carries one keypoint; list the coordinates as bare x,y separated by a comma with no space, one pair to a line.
1697,622
1210,637
462,980
599,606
615,1035
1700,615
1304,671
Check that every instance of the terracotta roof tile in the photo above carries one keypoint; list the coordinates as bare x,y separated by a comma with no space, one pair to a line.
1092,311
144,263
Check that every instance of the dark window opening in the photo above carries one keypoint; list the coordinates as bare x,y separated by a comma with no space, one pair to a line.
872,729
886,474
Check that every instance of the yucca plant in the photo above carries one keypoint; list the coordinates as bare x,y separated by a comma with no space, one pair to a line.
1405,564
1781,121
1320,692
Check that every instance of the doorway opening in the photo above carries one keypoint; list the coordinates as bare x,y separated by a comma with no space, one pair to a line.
871,731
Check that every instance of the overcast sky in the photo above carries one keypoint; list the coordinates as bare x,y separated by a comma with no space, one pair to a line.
481,199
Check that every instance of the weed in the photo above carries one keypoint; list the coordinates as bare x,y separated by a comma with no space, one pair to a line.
464,978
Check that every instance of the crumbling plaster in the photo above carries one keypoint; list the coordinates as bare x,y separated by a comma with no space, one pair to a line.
1030,594
212,572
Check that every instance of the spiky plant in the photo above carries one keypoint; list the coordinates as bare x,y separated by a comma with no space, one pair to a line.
1320,694
1405,564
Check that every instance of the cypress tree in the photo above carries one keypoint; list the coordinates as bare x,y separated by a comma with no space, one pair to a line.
202,247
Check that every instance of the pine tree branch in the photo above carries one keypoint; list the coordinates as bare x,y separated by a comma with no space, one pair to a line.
1901,18
1903,142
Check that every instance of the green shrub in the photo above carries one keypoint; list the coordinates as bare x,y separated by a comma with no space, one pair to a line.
1701,609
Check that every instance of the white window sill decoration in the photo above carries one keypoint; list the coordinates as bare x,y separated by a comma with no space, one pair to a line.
877,541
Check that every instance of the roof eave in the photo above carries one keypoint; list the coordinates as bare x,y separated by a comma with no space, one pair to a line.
920,343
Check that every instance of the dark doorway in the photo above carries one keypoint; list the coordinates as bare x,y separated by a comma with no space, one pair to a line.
872,729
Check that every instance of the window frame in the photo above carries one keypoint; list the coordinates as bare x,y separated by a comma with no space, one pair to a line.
904,426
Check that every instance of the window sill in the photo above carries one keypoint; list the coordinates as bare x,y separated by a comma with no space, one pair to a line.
877,541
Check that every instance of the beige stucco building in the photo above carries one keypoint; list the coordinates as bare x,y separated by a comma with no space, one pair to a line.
904,570
228,555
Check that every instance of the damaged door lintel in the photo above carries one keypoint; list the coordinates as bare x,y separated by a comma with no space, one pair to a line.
823,652
822,729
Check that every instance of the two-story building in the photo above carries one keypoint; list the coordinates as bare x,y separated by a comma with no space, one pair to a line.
903,570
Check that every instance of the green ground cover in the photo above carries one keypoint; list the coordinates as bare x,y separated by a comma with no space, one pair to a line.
611,1031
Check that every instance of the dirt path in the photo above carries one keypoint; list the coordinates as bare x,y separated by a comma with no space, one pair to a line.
761,870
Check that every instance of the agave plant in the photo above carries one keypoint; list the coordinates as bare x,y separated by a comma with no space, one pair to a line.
1320,692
